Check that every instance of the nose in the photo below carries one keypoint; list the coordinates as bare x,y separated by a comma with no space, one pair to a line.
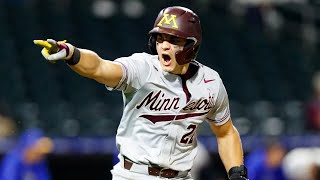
165,45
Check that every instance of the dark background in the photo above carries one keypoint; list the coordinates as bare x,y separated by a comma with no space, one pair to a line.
266,61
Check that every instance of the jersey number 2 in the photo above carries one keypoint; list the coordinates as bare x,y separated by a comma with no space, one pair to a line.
188,137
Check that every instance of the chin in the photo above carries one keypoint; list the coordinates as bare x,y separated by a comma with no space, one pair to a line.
166,69
169,69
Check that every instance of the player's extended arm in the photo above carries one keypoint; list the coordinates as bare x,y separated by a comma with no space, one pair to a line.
85,62
230,150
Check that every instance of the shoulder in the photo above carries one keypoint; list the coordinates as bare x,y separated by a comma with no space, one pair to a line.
207,71
143,56
138,58
147,58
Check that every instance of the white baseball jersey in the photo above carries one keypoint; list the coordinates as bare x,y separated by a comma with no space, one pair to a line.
160,119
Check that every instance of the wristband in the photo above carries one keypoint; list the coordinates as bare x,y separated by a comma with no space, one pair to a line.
75,58
238,171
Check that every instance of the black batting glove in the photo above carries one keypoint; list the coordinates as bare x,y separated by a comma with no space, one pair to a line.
238,173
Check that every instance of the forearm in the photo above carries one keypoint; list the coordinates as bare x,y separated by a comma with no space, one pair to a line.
88,63
230,149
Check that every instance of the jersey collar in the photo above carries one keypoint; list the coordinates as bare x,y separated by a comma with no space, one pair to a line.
195,73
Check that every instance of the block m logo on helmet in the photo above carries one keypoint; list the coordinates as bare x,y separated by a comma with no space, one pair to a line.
168,21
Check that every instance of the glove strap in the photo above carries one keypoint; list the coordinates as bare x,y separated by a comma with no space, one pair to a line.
238,171
75,58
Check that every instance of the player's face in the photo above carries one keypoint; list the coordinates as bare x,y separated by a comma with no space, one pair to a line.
167,47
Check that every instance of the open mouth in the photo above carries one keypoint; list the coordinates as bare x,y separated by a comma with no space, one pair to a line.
166,57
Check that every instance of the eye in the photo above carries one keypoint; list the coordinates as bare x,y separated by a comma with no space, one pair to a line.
177,41
160,39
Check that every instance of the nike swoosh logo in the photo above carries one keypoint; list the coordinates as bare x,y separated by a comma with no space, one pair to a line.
208,80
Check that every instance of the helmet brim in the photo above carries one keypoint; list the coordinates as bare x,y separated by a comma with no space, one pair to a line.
169,31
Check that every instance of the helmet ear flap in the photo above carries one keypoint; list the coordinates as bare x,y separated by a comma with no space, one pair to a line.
152,44
187,54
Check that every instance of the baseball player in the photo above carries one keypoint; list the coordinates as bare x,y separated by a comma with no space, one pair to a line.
167,94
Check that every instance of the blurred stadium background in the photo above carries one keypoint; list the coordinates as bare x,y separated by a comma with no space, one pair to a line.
266,51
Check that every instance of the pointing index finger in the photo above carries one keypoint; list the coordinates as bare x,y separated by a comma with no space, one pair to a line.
42,43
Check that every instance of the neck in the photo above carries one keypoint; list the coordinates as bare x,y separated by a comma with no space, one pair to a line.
185,69
190,71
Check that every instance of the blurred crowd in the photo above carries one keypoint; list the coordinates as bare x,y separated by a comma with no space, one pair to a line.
313,106
273,160
26,159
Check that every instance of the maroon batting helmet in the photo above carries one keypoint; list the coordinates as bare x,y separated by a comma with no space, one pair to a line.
181,22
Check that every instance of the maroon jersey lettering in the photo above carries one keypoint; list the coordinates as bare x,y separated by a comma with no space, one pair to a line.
159,102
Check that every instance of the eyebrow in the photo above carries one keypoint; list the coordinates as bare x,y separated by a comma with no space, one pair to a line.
170,37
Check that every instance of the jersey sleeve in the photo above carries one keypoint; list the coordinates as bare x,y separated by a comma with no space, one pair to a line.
220,113
135,69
